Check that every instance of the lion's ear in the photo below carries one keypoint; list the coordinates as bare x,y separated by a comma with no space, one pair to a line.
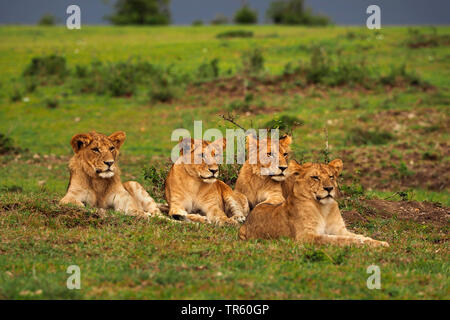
251,140
286,140
220,142
337,165
118,138
186,144
80,141
294,167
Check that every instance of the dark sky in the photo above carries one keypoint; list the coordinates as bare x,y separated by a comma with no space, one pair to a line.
351,12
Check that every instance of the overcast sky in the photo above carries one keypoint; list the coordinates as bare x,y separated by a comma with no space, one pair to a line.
343,12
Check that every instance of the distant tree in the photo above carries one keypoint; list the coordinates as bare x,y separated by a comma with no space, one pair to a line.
47,20
141,12
219,19
246,15
293,12
197,23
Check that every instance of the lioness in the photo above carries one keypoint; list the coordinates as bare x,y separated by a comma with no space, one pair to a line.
192,186
258,186
310,212
95,177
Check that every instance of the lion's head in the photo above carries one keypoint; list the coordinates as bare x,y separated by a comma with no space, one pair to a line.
98,153
269,166
200,158
314,181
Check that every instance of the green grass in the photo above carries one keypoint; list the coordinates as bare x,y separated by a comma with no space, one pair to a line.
121,257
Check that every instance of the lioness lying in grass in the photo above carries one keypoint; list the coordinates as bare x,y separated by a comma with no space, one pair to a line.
310,212
95,177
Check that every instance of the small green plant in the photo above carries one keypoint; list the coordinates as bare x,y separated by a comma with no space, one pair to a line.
246,15
156,176
6,145
48,69
241,105
51,102
417,39
360,136
235,34
47,20
197,23
16,95
253,61
219,19
208,70
284,123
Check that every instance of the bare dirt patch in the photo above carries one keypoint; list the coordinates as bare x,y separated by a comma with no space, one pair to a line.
420,212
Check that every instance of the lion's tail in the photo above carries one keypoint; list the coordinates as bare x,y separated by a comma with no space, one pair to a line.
243,232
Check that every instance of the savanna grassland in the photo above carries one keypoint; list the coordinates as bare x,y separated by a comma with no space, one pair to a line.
379,98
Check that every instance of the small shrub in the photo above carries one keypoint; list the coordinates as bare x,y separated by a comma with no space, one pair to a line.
417,39
6,145
156,176
253,61
400,75
246,15
359,136
197,23
16,95
241,106
208,70
49,69
285,122
229,173
293,12
47,20
235,34
219,19
51,102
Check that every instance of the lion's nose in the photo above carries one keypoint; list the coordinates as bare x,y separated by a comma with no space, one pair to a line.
328,188
282,168
213,171
108,163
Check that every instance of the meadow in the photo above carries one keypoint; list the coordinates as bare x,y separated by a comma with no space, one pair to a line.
378,99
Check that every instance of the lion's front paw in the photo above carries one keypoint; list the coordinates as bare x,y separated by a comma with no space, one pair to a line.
240,218
178,214
376,243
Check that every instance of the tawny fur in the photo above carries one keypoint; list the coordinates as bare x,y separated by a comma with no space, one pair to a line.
194,193
262,188
310,214
95,177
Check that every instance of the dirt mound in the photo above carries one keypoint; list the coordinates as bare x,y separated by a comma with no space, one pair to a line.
420,212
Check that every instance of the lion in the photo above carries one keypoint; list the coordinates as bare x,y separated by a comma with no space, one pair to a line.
310,213
192,186
264,187
95,177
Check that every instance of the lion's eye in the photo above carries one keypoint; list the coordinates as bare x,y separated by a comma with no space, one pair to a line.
332,177
112,149
269,155
95,149
285,154
315,177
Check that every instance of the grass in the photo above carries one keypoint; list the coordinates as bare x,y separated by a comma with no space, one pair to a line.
391,135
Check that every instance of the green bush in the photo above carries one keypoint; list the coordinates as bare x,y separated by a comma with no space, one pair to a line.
47,20
141,12
156,176
48,69
417,39
208,70
359,136
219,19
246,15
197,23
285,122
6,145
235,34
293,12
253,61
